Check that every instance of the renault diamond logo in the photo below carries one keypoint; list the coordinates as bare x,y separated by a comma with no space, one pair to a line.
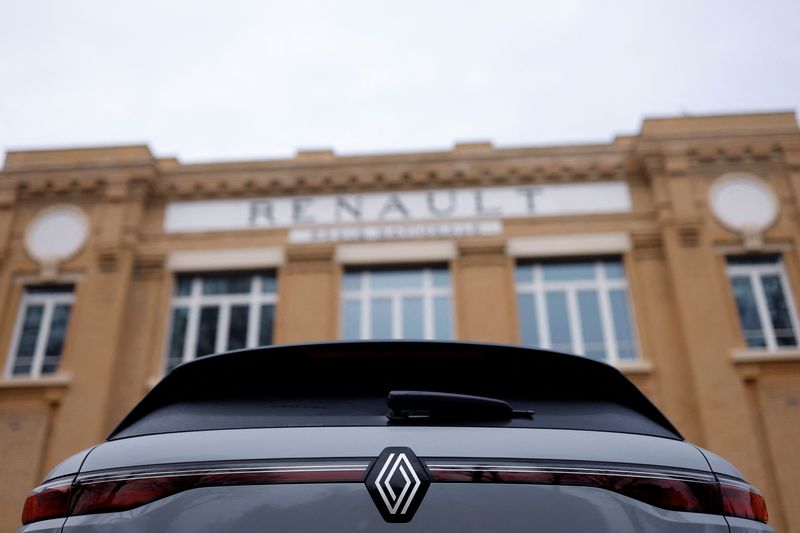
397,483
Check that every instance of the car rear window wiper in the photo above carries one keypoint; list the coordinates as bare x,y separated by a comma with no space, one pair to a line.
427,405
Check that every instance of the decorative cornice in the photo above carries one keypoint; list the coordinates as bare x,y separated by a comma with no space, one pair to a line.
310,253
114,183
108,259
648,245
149,266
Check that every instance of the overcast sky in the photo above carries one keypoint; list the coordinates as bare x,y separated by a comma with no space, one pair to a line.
229,79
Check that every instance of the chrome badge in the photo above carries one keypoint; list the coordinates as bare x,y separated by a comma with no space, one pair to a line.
397,482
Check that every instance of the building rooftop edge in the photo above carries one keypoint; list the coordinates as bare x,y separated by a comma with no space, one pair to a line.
676,127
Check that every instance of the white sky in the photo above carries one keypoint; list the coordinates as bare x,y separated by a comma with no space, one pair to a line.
232,79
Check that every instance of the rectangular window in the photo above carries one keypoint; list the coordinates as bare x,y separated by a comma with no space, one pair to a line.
579,307
214,313
766,310
397,303
41,330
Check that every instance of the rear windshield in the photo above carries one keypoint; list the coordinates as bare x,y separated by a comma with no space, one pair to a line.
347,384
365,411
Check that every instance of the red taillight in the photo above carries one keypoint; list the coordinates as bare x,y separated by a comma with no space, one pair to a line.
744,502
50,500
689,491
123,490
124,494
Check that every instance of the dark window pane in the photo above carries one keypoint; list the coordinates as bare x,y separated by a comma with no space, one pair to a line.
528,326
524,273
55,340
183,286
560,336
396,279
441,278
591,325
778,311
351,319
623,329
269,283
177,339
413,318
754,259
381,318
442,318
583,270
237,327
49,289
22,366
227,284
207,331
613,269
30,330
266,324
748,312
352,280
27,339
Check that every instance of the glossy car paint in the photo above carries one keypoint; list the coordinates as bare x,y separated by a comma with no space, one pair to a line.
479,492
348,506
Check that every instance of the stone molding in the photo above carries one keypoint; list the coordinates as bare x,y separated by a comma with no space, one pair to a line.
395,252
149,266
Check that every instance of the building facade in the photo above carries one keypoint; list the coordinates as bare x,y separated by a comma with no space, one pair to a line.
673,254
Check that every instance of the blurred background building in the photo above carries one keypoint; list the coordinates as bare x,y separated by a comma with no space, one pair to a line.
673,255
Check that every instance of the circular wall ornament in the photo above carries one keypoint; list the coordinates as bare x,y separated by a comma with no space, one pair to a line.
56,234
743,203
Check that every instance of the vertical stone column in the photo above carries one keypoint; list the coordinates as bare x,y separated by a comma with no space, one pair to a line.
97,324
661,337
484,292
308,295
699,285
7,312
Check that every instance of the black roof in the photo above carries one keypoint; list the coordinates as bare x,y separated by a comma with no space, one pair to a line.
566,391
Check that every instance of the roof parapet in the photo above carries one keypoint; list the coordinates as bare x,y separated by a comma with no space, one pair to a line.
317,154
78,157
472,146
703,125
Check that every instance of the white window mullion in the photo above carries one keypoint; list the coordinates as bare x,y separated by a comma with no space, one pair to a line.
575,322
18,326
428,315
366,305
787,297
606,315
254,312
223,323
396,318
41,340
193,322
543,323
763,310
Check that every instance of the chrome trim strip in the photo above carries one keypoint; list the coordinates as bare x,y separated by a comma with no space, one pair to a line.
89,478
559,469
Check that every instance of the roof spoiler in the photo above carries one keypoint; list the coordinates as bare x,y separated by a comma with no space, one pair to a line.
369,368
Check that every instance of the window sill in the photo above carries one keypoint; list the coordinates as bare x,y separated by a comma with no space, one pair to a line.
764,356
57,380
635,367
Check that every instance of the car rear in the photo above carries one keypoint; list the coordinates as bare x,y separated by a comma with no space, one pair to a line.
298,439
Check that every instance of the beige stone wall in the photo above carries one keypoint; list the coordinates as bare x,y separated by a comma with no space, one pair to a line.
742,405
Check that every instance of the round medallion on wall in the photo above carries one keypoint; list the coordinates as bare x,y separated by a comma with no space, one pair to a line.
743,203
56,234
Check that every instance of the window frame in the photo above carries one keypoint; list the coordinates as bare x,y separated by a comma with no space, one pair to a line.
196,300
49,300
754,272
601,284
428,293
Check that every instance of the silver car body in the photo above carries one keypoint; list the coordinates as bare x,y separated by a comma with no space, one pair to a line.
446,506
